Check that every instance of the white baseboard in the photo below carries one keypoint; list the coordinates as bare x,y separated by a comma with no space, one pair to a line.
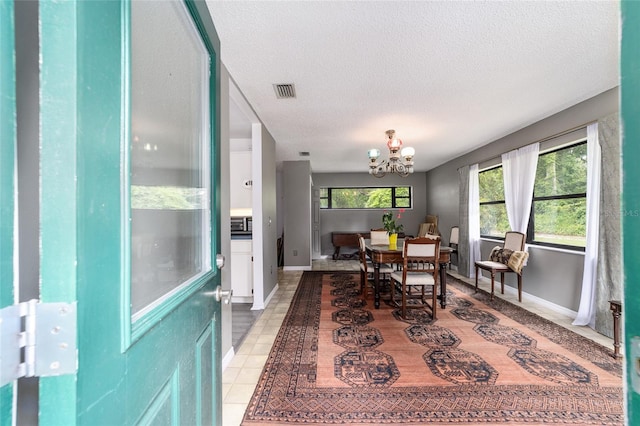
241,299
549,305
227,358
270,296
544,303
297,268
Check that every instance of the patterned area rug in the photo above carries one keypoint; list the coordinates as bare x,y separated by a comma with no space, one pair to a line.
337,360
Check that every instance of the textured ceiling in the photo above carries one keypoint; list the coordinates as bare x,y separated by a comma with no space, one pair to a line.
448,76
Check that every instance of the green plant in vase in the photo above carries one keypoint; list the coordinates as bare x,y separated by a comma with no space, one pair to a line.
390,225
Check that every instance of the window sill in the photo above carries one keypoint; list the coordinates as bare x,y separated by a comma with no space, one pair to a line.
538,247
557,249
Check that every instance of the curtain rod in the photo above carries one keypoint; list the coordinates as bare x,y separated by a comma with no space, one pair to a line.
548,138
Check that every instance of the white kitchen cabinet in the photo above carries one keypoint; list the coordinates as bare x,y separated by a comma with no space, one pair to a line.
242,271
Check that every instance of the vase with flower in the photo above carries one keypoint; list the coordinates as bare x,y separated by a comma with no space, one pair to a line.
390,225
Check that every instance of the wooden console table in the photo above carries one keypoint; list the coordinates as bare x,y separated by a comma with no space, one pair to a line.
616,310
345,239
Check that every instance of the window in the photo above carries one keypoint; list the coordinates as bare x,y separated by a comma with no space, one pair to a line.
559,208
493,210
170,159
366,197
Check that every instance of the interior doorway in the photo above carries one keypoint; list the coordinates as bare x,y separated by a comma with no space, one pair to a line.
245,208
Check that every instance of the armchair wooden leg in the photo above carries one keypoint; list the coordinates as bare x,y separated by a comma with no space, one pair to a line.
502,282
519,288
363,284
493,278
476,278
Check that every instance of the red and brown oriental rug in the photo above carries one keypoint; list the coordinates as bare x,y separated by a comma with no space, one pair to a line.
337,360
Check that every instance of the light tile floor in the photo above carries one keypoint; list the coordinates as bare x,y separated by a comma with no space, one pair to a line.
241,376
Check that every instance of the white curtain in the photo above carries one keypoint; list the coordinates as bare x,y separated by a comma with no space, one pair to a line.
519,174
587,309
474,219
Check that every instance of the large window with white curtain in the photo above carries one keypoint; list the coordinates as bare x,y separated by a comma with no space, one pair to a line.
558,211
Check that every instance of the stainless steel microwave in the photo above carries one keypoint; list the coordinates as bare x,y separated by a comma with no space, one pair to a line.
241,225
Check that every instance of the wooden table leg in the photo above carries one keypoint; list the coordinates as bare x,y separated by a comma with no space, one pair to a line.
336,253
443,285
376,285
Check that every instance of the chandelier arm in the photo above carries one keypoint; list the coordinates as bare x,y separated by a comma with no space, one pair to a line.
381,169
401,169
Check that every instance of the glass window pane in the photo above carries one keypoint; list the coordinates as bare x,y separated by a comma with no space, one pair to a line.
354,198
493,220
403,202
491,185
561,221
402,191
562,172
170,184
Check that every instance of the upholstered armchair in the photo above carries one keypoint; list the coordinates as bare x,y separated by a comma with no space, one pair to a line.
510,258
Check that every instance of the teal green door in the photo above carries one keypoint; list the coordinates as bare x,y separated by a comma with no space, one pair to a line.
630,112
7,180
129,216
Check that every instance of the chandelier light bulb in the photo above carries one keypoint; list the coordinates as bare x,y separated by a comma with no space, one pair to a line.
393,143
408,152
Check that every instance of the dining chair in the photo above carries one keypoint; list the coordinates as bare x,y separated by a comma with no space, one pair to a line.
454,236
367,269
511,257
432,218
419,271
379,237
426,228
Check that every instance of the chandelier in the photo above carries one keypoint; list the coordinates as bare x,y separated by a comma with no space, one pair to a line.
394,164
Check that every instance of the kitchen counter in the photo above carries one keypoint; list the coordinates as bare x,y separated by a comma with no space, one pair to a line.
241,236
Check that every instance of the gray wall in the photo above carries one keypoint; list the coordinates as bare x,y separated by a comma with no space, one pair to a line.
552,275
296,182
269,213
363,220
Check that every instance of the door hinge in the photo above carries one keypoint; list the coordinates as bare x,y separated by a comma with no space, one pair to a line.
37,339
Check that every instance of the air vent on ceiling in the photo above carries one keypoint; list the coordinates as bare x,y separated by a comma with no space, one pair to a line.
304,153
285,91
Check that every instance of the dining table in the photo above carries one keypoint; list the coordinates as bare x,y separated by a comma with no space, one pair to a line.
382,253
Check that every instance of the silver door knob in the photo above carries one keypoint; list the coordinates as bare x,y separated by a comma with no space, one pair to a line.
220,260
223,296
